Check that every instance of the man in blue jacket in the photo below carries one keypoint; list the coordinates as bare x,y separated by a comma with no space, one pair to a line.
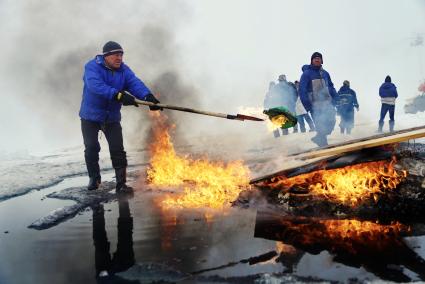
317,93
388,94
108,84
346,102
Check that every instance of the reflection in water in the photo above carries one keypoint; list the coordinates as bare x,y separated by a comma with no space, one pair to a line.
123,258
378,248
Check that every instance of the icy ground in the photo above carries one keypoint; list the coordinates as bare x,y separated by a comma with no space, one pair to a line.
38,251
22,172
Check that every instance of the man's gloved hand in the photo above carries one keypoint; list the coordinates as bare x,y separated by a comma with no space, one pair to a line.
126,98
151,98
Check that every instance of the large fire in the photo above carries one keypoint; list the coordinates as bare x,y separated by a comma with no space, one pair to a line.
349,185
205,183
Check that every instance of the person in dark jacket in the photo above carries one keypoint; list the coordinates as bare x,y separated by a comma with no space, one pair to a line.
317,93
346,102
108,84
388,94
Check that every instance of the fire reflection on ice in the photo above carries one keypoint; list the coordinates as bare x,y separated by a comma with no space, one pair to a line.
379,248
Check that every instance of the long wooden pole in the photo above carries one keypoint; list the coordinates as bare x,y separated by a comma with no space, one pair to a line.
191,110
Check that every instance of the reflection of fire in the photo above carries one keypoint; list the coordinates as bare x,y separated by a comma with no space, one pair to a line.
348,185
206,184
342,235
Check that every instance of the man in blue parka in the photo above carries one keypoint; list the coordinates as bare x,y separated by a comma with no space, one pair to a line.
388,94
317,93
345,104
108,84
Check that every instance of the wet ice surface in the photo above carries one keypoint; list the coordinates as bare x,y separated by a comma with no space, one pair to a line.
83,199
138,242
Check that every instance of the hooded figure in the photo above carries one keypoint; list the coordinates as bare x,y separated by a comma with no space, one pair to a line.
346,102
388,94
317,93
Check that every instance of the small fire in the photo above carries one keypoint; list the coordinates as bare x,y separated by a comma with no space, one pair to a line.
205,183
349,185
273,124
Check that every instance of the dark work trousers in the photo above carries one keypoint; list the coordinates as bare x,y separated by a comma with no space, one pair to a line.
113,134
301,122
384,109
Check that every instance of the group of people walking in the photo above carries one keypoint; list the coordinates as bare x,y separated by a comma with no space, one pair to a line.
314,100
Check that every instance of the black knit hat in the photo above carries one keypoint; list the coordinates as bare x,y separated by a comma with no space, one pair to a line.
316,54
388,79
112,47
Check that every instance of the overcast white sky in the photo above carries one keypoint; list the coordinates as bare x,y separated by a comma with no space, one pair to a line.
228,50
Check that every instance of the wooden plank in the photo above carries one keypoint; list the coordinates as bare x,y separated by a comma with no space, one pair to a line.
363,143
318,155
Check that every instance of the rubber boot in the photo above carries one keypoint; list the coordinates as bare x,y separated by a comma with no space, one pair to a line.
380,125
121,179
94,183
392,122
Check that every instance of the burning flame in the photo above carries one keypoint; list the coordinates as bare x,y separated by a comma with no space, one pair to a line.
348,185
205,183
273,124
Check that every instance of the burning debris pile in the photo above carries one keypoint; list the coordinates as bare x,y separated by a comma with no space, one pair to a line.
389,189
205,183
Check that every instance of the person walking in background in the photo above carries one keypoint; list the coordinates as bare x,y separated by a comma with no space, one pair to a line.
302,114
317,93
107,83
288,96
272,100
346,102
388,94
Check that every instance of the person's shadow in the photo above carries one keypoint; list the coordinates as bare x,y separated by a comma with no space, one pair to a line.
123,258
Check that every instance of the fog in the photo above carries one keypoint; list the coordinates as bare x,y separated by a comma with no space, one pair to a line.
212,55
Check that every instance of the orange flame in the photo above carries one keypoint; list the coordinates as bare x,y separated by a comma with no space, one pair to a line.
349,185
273,124
205,183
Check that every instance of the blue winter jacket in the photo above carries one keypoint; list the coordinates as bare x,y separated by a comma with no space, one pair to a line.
313,77
346,100
101,84
388,90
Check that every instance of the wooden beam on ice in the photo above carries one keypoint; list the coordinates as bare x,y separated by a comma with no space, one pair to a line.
318,155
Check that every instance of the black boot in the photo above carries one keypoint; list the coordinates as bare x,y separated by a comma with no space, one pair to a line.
121,179
94,183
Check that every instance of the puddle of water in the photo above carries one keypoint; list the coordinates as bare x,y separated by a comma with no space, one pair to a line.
115,235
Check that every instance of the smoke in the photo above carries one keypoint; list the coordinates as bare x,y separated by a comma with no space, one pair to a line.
44,66
210,55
